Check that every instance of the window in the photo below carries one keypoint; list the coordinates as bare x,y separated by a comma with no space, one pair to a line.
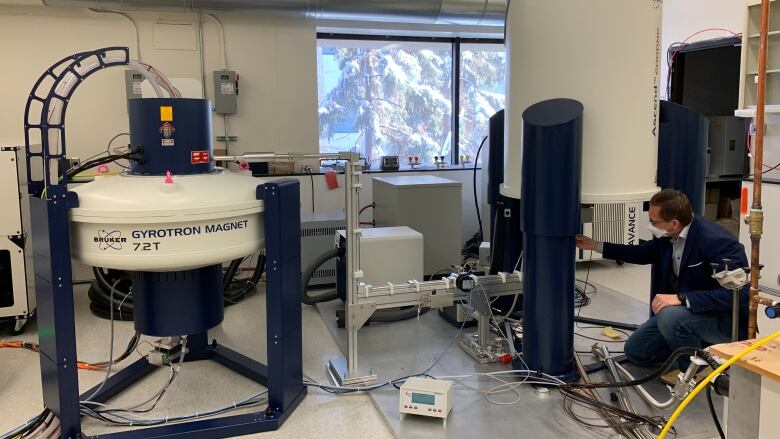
394,97
385,98
482,89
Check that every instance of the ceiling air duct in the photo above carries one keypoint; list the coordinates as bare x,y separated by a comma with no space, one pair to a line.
460,12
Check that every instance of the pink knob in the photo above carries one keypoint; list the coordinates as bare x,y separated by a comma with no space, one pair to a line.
103,169
168,177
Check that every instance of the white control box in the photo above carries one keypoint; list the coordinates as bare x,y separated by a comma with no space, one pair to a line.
426,397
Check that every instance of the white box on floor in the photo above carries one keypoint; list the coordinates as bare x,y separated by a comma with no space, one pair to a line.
426,397
428,204
390,254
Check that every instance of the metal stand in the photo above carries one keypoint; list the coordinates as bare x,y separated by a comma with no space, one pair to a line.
482,346
345,372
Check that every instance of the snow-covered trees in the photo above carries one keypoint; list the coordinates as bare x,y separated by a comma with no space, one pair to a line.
395,98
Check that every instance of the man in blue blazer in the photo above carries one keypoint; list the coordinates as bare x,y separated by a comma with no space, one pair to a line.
688,307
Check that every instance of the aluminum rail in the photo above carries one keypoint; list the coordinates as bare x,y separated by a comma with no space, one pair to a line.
273,156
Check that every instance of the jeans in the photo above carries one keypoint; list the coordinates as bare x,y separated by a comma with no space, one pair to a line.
672,328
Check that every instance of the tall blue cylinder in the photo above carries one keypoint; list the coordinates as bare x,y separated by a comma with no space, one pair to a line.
550,220
682,152
506,239
178,302
495,158
174,134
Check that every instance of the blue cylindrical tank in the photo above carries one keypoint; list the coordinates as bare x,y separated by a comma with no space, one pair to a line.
175,134
550,220
506,239
495,158
176,303
682,152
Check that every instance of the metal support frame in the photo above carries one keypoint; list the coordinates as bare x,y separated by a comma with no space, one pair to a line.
429,294
283,376
343,371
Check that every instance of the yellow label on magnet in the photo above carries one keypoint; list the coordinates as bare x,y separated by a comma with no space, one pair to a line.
166,114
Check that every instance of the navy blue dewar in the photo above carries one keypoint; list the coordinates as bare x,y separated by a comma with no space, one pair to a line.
682,152
178,302
178,139
506,239
550,220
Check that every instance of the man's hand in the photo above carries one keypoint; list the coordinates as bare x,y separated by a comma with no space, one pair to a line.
661,301
585,243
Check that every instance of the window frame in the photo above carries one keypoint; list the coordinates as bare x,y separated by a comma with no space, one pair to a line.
455,43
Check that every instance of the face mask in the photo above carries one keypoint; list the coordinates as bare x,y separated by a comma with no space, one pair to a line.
658,233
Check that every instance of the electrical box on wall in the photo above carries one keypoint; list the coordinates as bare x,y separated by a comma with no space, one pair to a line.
133,84
225,92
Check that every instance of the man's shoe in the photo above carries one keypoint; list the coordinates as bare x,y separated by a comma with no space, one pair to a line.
670,377
703,373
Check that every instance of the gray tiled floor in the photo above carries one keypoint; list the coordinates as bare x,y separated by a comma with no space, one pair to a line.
199,385
203,385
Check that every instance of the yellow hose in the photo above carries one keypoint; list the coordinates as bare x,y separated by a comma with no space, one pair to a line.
709,378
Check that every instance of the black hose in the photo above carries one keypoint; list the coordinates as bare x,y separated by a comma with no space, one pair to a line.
395,315
712,412
474,177
101,300
660,371
231,272
310,270
238,291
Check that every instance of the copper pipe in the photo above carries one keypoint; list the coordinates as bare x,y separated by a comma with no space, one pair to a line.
764,301
756,218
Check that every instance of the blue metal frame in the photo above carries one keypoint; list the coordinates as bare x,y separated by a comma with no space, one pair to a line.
283,376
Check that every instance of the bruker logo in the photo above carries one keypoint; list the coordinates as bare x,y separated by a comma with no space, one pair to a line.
110,240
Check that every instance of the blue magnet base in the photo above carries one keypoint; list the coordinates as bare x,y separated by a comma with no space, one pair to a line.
178,302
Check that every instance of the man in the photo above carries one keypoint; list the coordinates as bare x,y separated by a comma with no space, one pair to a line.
688,307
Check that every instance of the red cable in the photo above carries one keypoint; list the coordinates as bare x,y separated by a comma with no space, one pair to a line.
364,208
750,152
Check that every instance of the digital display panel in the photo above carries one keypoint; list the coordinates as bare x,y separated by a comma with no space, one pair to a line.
423,398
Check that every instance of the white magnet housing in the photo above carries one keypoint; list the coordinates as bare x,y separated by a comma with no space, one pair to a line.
141,223
605,54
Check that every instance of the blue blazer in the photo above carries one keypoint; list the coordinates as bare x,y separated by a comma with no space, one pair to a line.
707,243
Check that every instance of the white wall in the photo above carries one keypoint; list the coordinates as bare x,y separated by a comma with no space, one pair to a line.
682,18
275,58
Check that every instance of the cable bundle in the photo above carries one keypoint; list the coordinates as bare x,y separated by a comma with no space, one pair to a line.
44,425
101,301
